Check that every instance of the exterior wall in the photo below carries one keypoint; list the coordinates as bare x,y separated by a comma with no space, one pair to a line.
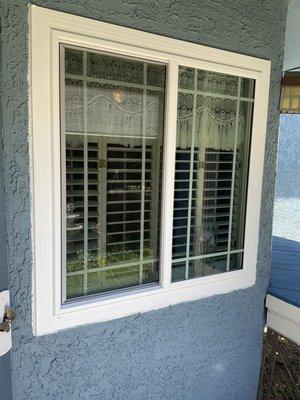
5,376
285,276
285,257
292,42
208,349
287,200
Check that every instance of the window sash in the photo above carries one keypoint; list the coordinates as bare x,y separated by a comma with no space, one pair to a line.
183,240
103,143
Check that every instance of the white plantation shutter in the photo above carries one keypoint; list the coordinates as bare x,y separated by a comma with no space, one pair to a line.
215,202
213,139
110,231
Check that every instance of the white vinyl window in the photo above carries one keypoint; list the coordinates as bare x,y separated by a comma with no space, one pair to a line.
147,169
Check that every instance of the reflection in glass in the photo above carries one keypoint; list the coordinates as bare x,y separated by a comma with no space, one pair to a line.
247,87
178,271
207,266
211,171
241,176
112,140
236,261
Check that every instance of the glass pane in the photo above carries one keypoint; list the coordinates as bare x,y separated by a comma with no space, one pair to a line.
115,69
213,156
236,261
73,62
156,75
182,174
241,176
114,278
150,272
211,171
74,105
112,141
213,82
247,88
207,266
74,285
178,271
186,78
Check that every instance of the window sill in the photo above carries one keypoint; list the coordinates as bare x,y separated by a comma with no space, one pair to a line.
95,309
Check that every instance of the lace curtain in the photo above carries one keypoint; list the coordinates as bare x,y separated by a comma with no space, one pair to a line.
116,109
112,112
215,123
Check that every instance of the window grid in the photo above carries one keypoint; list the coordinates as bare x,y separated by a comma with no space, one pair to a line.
143,174
195,92
216,95
191,173
233,172
86,181
101,151
89,79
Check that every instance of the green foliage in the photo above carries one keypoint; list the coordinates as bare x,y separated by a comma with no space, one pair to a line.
117,255
108,279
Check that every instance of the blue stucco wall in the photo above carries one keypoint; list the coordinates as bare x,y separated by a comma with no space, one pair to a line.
292,43
285,258
208,349
287,199
5,375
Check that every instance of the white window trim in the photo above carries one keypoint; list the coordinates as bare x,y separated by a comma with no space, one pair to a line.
48,29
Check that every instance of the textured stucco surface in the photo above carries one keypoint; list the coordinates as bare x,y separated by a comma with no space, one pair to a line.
292,43
5,376
286,223
208,349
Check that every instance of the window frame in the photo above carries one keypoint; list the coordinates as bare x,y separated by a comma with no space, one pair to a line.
49,29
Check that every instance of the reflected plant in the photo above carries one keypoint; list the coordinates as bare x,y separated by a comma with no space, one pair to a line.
116,255
77,263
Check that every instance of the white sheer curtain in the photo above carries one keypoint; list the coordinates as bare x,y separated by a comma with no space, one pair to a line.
112,112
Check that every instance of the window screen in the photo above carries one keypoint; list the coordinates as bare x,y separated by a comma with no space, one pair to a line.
112,134
213,139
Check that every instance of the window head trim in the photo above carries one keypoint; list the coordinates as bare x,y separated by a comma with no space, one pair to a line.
49,29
